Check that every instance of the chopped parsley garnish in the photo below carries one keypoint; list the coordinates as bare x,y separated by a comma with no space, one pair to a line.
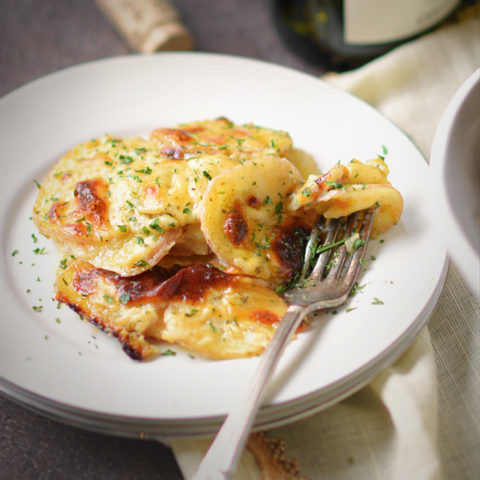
125,297
108,299
37,184
15,252
141,263
206,175
334,185
126,159
169,353
156,226
63,264
122,228
356,289
146,171
377,301
38,308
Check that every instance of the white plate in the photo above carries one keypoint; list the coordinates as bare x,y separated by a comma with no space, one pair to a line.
67,369
455,162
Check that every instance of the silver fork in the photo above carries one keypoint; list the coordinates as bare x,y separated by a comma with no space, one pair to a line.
322,285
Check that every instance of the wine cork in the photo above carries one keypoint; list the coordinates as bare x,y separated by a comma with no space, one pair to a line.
148,25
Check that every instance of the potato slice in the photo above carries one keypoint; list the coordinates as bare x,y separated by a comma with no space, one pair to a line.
232,322
243,219
199,307
220,136
89,292
347,189
343,202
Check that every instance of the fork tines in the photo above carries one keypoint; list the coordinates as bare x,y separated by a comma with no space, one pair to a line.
331,242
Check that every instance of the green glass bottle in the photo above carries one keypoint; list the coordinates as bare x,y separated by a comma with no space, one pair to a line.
342,34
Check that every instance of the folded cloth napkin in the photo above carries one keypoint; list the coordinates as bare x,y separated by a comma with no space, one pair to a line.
418,419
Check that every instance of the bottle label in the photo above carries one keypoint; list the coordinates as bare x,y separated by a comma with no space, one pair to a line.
383,21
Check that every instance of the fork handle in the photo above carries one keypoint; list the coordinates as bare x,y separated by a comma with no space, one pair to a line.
221,459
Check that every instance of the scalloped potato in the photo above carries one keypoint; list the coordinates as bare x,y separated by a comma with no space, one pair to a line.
184,237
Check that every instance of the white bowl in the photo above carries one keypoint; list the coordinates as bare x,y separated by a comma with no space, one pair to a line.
455,162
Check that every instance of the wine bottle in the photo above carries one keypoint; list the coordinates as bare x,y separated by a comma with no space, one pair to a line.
342,34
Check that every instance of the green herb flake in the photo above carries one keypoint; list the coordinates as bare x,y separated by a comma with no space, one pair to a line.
356,289
126,160
377,301
206,175
15,252
63,264
38,308
122,228
169,353
125,297
334,185
358,243
156,226
146,171
37,184
108,299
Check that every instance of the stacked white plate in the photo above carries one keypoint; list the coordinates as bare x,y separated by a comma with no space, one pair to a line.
63,367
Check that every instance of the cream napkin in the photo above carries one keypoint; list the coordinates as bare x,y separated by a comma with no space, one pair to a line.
406,424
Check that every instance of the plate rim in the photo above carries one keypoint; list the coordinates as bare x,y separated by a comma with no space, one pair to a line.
45,78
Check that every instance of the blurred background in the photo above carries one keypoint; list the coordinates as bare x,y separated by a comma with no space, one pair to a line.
41,36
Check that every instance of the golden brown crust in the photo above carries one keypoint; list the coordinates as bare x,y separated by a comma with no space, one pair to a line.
208,311
175,238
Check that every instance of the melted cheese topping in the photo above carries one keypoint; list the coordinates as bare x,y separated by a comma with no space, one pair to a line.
183,237
221,136
209,312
